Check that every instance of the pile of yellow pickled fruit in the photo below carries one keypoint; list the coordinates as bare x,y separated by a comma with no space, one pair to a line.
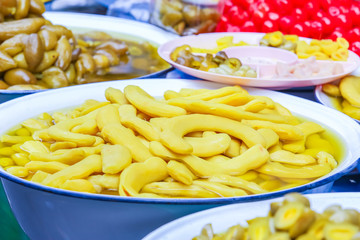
325,49
184,18
36,54
221,44
294,219
346,95
220,63
195,143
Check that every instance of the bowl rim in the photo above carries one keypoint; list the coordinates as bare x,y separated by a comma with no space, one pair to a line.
192,201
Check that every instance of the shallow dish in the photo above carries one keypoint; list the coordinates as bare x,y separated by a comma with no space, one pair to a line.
62,214
224,217
81,23
208,41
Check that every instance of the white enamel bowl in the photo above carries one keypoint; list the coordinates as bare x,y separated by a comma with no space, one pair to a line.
224,217
49,213
81,22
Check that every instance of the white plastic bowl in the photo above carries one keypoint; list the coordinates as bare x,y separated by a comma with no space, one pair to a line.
49,213
222,218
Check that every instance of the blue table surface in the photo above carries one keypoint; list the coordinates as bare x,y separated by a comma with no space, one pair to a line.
10,229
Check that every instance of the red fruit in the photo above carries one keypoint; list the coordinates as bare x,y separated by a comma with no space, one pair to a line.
325,4
269,26
344,10
334,11
286,23
342,20
273,16
307,23
316,29
311,7
355,14
320,14
238,16
336,33
300,29
248,26
299,15
232,28
222,24
259,18
263,7
345,3
355,47
245,4
328,27
283,7
298,4
225,6
353,35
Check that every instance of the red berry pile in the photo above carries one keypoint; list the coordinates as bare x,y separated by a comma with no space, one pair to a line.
319,19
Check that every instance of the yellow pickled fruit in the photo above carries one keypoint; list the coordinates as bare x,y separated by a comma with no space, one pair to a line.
276,39
274,206
233,233
320,56
306,236
303,223
296,197
329,47
343,43
280,236
344,216
312,49
6,162
303,55
174,54
288,214
292,38
206,233
317,229
350,90
315,141
224,42
340,231
266,36
331,89
301,47
340,55
259,228
350,110
315,42
330,210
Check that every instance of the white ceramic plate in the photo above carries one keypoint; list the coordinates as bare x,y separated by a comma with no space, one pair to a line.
222,218
118,27
208,41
